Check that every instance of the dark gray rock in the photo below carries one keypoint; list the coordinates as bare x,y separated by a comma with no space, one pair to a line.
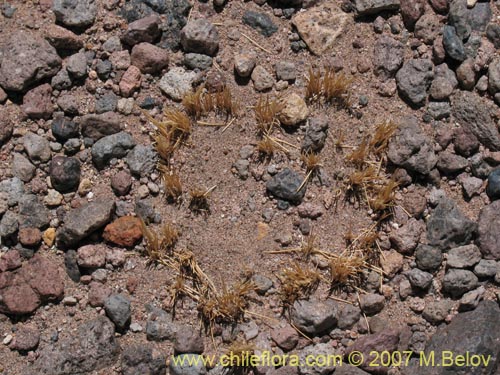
13,188
488,233
142,160
314,317
32,213
76,65
457,282
110,147
368,7
91,348
436,312
464,256
8,224
101,125
428,258
414,79
285,70
75,13
26,60
450,163
187,364
453,44
117,308
63,128
316,134
139,359
439,110
37,147
81,222
284,186
388,56
420,280
71,265
103,69
371,303
486,268
106,103
493,188
61,81
448,227
348,316
460,336
197,61
493,34
260,21
64,173
200,36
160,325
477,114
470,300
411,149
22,168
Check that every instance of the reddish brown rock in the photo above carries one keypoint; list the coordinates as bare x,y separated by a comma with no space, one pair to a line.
25,339
37,103
10,261
412,10
149,58
131,81
62,39
125,231
143,30
22,291
132,283
98,294
30,236
44,277
369,344
286,338
91,256
121,183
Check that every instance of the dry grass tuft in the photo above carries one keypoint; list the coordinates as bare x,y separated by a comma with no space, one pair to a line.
158,245
227,307
171,183
201,102
297,282
266,114
266,148
199,200
332,88
359,155
383,133
345,270
384,197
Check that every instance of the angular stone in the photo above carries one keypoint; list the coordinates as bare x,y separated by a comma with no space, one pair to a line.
488,233
81,222
125,231
477,114
320,26
26,60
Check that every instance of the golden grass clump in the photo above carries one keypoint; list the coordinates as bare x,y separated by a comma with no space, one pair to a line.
171,183
199,200
331,88
298,282
266,148
359,155
266,114
201,102
384,197
226,307
383,133
171,132
345,270
158,245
